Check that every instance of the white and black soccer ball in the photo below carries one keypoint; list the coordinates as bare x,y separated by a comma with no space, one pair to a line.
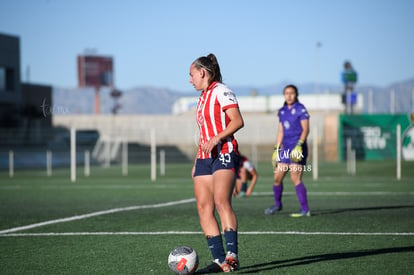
183,260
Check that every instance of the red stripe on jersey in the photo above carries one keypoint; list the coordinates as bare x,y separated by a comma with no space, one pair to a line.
209,115
212,120
218,115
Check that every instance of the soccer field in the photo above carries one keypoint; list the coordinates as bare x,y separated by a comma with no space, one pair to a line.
113,224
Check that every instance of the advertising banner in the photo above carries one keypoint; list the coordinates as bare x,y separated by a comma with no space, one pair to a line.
373,137
95,71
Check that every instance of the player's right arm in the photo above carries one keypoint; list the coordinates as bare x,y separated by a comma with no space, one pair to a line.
279,137
254,174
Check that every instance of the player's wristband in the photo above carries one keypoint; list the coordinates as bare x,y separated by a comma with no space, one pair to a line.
300,142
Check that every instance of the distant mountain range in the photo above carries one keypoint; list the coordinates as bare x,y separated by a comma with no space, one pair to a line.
397,97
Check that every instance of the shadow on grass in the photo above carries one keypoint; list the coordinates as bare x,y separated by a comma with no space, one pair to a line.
337,211
319,258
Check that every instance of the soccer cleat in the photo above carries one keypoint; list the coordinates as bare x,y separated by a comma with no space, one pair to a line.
272,209
216,267
301,214
232,260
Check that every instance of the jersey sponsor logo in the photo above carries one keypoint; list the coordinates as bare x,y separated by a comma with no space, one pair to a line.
229,94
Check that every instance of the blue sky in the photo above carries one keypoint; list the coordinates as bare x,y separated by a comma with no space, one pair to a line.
257,43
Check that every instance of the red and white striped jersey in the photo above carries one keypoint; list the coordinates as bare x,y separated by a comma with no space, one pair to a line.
212,119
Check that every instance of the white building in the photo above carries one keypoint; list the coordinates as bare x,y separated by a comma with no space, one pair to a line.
267,104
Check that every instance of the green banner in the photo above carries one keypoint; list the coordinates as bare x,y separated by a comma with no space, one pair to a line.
373,137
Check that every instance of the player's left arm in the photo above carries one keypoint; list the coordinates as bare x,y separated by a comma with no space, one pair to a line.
236,123
305,130
296,154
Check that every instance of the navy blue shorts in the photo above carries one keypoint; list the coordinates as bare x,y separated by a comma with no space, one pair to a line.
229,161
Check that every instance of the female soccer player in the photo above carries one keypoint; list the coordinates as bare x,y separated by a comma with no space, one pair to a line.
217,161
291,151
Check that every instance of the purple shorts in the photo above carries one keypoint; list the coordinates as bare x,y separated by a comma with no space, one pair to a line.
284,154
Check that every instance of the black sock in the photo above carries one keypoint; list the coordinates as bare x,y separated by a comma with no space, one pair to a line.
231,241
215,243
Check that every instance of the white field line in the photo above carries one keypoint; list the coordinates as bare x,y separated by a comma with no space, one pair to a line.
115,210
94,214
51,234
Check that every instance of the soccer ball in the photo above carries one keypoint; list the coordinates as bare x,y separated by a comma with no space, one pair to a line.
183,260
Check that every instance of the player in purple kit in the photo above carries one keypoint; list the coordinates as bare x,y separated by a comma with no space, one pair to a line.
291,151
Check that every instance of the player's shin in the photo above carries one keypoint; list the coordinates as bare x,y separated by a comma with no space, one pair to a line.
302,196
277,193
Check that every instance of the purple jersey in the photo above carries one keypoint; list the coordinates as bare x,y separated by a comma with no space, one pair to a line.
290,119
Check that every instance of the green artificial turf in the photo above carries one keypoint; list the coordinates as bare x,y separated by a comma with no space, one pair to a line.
113,224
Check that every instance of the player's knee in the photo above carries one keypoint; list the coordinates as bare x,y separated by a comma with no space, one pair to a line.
222,205
277,183
204,209
277,179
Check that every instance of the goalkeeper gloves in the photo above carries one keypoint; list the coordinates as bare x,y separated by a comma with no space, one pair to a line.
275,155
297,153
